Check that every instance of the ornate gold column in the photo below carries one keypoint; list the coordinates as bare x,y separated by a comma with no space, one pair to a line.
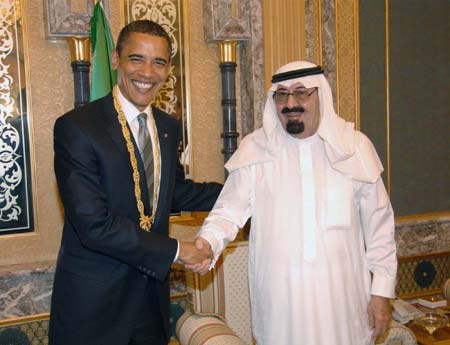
80,57
228,72
69,19
230,24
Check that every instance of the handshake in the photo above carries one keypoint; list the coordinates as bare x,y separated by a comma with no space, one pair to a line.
196,256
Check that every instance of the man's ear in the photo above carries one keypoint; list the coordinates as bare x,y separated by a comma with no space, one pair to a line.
114,59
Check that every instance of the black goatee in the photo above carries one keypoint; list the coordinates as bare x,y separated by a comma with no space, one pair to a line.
295,127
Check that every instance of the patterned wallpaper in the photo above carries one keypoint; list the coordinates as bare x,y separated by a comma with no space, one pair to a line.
51,94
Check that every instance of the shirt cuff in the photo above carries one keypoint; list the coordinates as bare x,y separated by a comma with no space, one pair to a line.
178,252
383,286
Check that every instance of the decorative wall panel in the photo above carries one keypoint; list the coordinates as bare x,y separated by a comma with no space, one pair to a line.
313,22
346,55
226,20
27,330
16,206
67,18
422,275
251,63
328,38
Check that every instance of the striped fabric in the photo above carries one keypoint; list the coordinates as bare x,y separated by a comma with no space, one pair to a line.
205,330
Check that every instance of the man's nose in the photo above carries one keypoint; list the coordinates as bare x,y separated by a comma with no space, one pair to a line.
291,101
147,69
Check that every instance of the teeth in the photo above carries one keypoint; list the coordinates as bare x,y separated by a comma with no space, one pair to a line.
143,85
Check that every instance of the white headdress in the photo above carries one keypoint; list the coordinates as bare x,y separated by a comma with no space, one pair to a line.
348,150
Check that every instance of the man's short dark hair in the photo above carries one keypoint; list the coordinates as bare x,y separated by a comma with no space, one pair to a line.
143,26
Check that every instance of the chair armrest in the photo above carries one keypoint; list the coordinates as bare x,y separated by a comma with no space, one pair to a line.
397,334
194,329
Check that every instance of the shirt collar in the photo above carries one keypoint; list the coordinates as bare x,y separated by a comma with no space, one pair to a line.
128,108
311,139
305,141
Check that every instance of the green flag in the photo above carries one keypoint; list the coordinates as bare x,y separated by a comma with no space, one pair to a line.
103,76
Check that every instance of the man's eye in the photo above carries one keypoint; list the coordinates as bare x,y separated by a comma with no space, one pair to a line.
160,63
282,93
300,93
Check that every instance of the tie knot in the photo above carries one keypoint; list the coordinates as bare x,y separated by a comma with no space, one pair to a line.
142,118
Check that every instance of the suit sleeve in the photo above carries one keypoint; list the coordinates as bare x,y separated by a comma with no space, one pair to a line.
88,211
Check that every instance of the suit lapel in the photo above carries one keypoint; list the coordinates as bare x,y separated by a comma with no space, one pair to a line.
113,127
114,130
164,133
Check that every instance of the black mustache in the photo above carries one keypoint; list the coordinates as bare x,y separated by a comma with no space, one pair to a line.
287,110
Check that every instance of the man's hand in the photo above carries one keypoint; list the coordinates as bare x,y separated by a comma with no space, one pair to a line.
380,313
192,255
203,267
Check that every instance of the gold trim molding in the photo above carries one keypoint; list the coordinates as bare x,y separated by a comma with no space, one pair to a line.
347,60
388,107
432,216
23,319
314,31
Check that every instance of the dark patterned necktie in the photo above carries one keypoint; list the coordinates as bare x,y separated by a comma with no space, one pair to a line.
145,149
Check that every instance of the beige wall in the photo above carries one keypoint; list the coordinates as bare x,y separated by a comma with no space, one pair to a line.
51,86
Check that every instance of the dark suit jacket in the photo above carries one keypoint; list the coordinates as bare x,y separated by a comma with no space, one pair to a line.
107,265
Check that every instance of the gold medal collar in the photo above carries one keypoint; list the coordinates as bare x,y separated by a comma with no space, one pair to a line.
145,222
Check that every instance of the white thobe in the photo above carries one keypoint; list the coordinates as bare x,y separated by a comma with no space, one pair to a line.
316,236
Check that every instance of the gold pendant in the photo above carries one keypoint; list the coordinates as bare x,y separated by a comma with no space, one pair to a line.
145,222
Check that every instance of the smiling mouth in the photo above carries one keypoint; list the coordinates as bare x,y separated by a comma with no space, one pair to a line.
143,86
